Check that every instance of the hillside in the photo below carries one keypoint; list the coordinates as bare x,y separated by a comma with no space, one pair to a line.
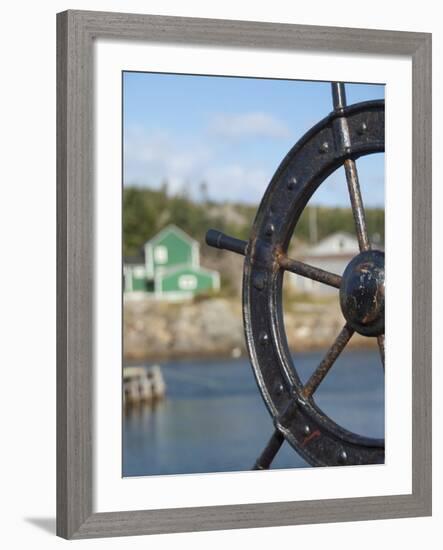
146,211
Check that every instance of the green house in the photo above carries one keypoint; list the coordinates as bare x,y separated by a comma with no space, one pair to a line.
171,268
134,275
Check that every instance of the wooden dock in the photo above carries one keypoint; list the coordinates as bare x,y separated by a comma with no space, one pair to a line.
143,385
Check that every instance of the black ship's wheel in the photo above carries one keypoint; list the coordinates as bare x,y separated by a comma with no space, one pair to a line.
339,139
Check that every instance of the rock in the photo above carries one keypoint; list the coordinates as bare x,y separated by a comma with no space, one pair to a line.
214,326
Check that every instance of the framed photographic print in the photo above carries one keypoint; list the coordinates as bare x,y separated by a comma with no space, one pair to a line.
228,193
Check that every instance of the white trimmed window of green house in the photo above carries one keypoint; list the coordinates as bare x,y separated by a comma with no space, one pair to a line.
139,272
161,254
187,282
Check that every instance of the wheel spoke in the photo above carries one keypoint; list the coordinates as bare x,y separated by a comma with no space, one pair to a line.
322,370
339,103
381,347
264,460
309,271
338,95
358,210
217,239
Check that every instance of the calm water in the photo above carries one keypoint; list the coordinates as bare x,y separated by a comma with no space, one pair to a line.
214,419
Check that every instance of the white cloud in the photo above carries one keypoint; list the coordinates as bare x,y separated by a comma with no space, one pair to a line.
153,157
257,124
236,182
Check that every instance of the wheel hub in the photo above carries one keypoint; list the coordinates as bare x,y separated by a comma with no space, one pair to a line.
362,293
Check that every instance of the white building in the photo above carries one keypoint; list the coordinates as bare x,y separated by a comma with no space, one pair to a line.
331,254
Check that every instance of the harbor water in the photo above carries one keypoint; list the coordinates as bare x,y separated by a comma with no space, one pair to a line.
213,418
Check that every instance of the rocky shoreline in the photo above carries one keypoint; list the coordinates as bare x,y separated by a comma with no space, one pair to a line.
154,330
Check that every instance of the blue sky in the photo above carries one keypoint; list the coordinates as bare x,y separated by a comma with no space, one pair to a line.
231,133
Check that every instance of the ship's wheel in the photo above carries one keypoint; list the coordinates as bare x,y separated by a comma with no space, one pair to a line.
346,134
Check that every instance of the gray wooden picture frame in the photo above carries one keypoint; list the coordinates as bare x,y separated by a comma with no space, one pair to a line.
76,32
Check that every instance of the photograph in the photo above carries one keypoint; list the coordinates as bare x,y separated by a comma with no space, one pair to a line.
253,274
